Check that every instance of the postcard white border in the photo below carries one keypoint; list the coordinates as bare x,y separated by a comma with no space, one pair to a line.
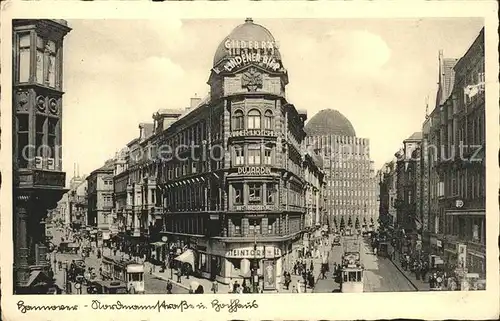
428,305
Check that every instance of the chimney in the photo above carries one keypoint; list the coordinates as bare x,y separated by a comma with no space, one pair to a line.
195,101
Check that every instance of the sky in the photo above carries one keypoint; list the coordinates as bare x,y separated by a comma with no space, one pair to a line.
376,72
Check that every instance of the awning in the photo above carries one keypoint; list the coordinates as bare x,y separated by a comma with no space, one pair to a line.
158,243
187,257
37,276
466,213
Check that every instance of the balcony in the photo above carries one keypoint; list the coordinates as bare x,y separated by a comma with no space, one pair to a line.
41,178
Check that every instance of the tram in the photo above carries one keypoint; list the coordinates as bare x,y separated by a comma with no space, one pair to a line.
129,272
352,271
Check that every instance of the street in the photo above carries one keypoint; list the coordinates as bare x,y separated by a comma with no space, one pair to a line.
380,274
152,284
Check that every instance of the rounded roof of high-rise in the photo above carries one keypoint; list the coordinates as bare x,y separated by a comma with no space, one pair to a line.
248,31
329,122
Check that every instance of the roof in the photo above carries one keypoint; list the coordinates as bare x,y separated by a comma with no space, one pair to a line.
447,79
108,166
248,31
329,122
414,136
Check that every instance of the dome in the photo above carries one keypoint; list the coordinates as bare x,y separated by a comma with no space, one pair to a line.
329,122
248,31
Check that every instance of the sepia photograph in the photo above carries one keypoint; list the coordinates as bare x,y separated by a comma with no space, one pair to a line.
246,155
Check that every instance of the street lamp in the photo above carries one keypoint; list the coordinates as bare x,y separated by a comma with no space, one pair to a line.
255,276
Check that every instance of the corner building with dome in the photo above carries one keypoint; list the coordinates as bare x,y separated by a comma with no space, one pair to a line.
351,186
240,212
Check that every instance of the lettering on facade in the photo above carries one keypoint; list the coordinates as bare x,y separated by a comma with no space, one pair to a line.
246,52
251,170
250,252
459,203
253,132
254,208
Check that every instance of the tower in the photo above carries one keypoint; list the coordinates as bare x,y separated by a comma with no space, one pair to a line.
37,165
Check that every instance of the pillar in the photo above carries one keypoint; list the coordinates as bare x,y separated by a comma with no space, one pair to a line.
264,194
245,194
245,266
231,197
21,247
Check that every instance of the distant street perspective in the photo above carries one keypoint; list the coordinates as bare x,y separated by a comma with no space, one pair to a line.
261,184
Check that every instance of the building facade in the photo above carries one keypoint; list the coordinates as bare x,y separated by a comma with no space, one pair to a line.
387,195
100,200
408,189
38,179
234,201
461,166
351,184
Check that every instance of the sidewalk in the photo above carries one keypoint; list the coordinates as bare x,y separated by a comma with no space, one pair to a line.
168,274
419,285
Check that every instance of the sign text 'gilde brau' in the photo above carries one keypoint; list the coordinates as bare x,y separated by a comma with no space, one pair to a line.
245,52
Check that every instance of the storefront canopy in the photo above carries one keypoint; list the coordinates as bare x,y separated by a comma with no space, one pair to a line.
187,257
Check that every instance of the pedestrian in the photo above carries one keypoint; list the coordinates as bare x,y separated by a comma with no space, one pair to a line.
235,286
191,290
298,286
215,287
169,287
179,275
294,289
230,285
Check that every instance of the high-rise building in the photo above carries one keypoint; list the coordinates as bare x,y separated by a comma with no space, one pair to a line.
351,184
38,179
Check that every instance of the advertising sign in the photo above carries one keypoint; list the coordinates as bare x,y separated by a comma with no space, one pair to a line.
250,252
254,208
462,255
269,275
254,170
253,132
246,52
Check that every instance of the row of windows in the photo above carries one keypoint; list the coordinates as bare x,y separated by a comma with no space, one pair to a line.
255,155
253,120
45,68
255,193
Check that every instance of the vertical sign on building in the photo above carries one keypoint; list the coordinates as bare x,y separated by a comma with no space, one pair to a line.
269,275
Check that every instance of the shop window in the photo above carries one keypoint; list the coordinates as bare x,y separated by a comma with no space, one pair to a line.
238,120
268,119
254,155
253,119
254,227
254,195
237,225
239,155
267,155
271,193
238,194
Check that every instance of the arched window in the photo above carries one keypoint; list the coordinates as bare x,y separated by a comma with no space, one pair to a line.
238,120
268,119
254,119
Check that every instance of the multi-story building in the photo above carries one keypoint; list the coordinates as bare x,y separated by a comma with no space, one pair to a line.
407,184
100,199
77,197
387,195
461,166
315,181
350,180
316,218
71,208
38,179
234,202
